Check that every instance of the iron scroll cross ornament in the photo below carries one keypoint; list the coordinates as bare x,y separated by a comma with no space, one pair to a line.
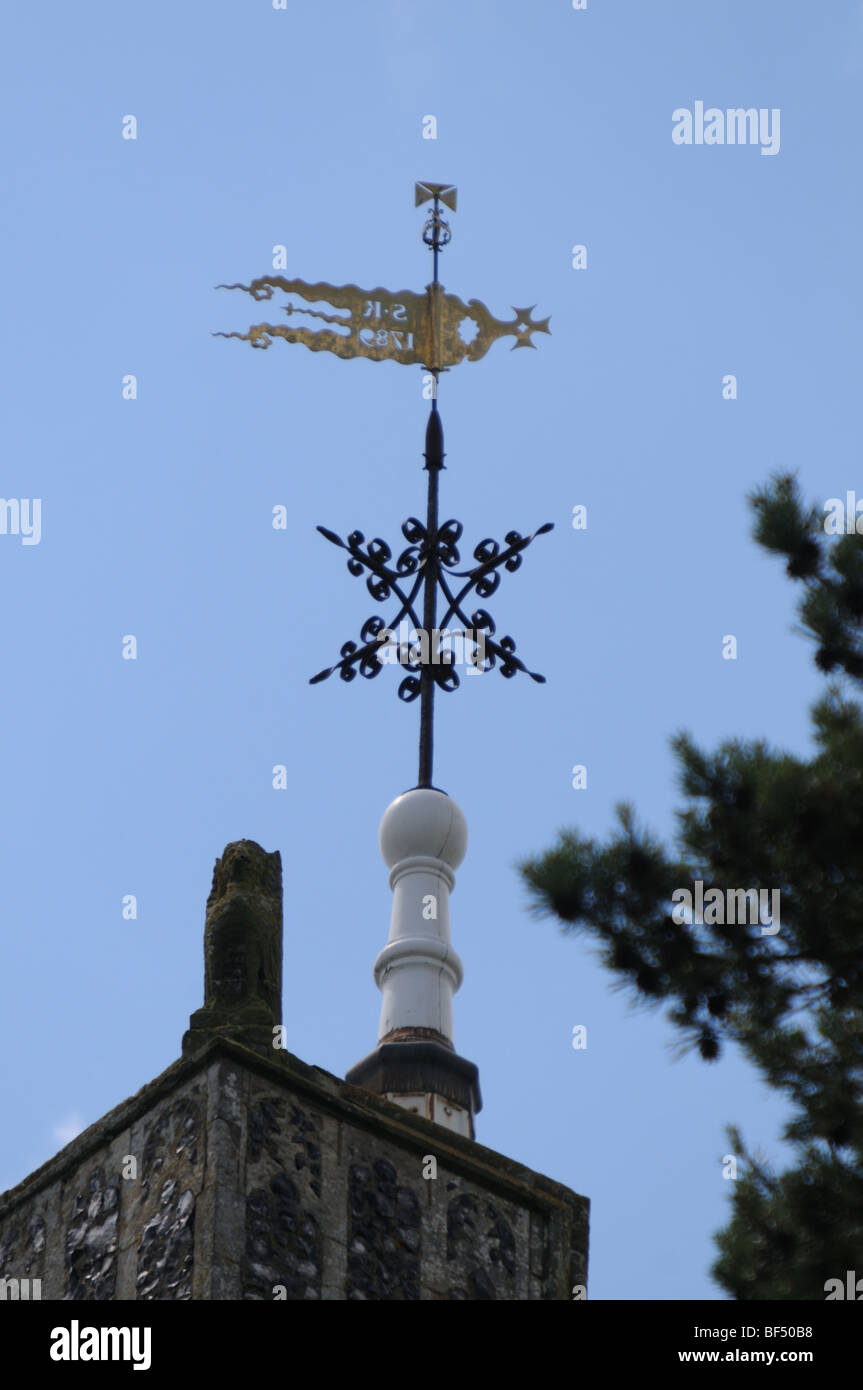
414,329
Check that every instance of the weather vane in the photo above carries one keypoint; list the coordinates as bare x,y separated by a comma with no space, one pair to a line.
403,327
414,329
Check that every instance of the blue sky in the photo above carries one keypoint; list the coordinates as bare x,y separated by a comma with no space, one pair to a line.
303,127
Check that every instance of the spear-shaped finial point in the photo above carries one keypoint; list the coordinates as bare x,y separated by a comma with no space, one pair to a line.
434,454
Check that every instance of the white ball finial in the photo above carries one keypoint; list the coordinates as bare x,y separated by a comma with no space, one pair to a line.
423,823
423,840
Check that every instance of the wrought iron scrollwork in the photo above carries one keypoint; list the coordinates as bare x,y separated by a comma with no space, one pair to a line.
385,581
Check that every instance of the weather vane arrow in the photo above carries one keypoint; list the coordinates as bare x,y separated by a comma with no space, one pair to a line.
425,329
389,326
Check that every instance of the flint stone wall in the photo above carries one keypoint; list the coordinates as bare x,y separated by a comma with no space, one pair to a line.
261,1179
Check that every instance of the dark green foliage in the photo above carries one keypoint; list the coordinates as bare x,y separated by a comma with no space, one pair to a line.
757,817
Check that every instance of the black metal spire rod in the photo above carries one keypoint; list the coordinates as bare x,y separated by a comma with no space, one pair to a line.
429,564
436,234
434,463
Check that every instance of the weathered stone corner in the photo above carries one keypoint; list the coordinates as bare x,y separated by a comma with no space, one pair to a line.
242,951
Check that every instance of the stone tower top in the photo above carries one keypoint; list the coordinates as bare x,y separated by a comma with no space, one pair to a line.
242,1173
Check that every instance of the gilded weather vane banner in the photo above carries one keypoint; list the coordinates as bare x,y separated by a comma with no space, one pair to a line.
434,329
